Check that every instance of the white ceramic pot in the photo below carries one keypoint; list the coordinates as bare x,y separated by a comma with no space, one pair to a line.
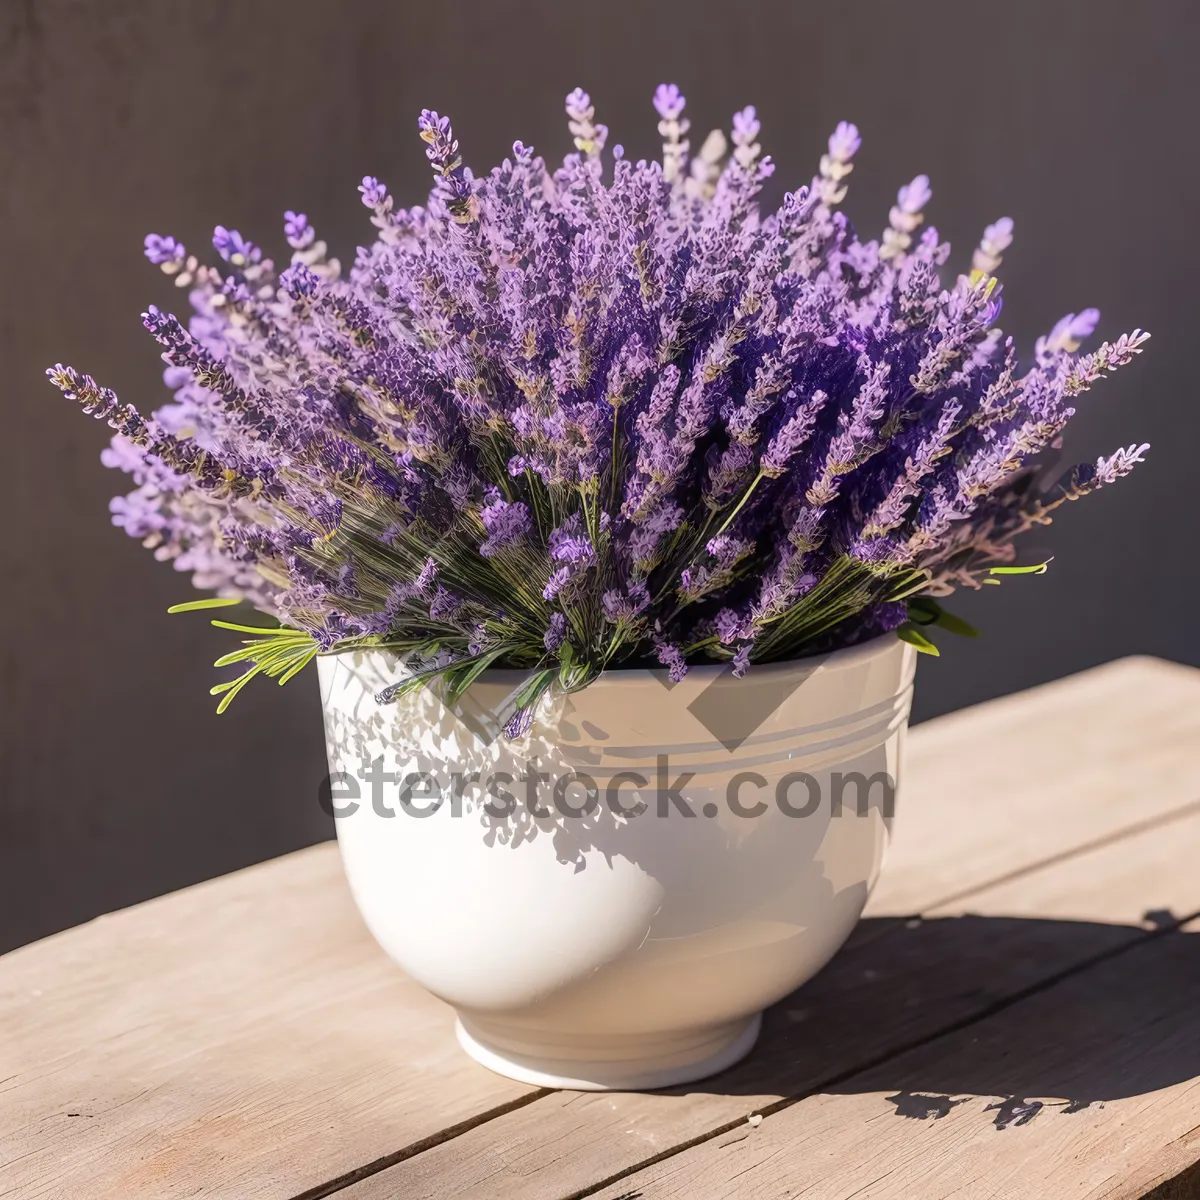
586,943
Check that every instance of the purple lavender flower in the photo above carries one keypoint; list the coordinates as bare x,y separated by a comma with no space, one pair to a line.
906,215
374,194
556,632
668,101
836,165
299,233
298,282
164,250
746,128
603,412
445,604
792,435
1110,469
1069,333
234,248
506,523
672,657
589,137
568,543
844,142
996,239
447,165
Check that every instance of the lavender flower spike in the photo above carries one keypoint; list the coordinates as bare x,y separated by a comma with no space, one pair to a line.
705,168
836,165
673,126
446,162
746,128
1109,470
589,137
906,214
996,239
165,251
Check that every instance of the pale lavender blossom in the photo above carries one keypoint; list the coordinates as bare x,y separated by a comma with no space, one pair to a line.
589,137
905,216
989,254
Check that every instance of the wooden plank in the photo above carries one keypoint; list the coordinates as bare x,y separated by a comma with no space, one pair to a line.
899,981
248,1036
245,1035
1022,778
1089,1088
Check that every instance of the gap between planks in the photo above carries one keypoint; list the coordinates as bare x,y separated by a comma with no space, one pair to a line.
1192,808
1107,839
358,1174
832,1081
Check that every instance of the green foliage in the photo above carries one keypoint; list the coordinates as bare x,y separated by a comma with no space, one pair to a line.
280,653
209,602
275,651
925,610
914,637
1039,569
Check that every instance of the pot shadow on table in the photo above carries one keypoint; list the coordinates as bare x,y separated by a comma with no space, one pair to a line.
1038,1015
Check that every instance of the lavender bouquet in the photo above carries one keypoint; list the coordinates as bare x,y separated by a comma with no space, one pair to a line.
608,414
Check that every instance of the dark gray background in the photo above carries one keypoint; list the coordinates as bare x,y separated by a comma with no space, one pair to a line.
120,117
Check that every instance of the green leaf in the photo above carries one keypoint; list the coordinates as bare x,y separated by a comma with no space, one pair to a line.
272,652
211,602
261,630
566,662
300,665
472,672
418,680
280,656
533,688
1040,569
914,637
238,684
924,610
251,653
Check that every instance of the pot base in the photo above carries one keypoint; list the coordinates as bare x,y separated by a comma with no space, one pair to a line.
608,1064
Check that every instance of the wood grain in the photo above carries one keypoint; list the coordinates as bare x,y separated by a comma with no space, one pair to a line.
1084,1089
897,983
246,1034
1023,778
246,1038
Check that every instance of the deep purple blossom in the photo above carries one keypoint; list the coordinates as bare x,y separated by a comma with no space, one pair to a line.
505,524
442,152
673,658
298,281
556,632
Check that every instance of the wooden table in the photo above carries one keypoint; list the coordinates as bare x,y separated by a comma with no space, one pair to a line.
1018,1016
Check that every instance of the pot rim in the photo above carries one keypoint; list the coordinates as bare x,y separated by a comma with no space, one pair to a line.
877,647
